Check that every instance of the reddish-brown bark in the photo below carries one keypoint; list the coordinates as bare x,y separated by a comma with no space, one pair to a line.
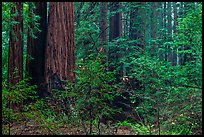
60,59
15,61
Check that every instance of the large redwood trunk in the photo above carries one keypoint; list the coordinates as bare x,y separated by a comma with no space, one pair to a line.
60,59
15,53
15,61
36,46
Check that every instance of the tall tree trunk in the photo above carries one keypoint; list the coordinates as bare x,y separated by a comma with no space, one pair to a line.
142,30
36,46
188,6
102,23
115,22
154,22
161,27
59,57
174,55
169,30
133,18
126,20
165,27
137,32
15,53
15,61
181,47
115,31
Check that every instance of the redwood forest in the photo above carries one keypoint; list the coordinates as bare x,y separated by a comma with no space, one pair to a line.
101,68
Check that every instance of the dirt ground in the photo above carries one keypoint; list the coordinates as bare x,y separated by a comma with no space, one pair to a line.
30,128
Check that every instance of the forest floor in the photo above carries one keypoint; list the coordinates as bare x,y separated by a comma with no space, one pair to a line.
30,128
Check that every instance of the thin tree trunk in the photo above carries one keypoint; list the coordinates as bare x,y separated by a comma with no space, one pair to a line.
142,31
174,55
161,27
169,29
181,47
165,27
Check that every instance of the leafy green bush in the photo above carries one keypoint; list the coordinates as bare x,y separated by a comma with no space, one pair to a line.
16,94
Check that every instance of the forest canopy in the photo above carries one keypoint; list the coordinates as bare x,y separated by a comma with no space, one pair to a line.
102,68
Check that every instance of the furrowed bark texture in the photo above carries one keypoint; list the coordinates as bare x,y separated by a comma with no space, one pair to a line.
15,61
60,58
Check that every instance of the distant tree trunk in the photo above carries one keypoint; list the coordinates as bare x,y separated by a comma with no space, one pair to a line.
126,20
165,27
161,27
142,30
15,61
137,32
115,31
154,22
169,30
133,17
102,23
181,47
59,57
137,29
36,46
132,29
175,17
187,57
115,22
174,56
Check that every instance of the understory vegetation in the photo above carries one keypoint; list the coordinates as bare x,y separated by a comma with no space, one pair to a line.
152,97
